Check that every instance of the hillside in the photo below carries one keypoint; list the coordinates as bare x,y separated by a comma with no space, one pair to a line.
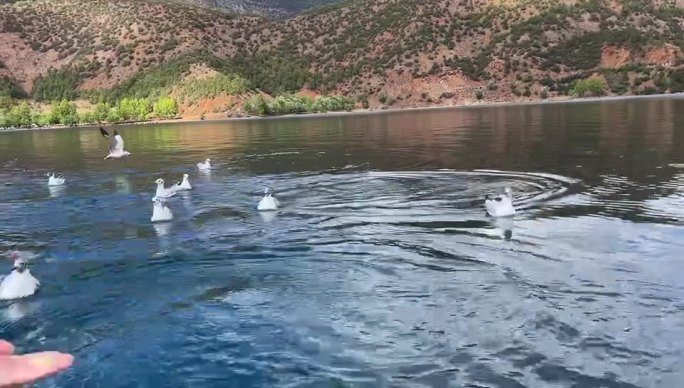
387,52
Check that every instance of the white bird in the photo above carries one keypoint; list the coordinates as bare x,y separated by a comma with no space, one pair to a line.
116,145
163,192
184,184
204,166
500,205
55,180
268,202
161,212
19,283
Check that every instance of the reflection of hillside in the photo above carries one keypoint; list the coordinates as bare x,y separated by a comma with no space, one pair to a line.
632,138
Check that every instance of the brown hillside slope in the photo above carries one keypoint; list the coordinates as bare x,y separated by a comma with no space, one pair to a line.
109,41
408,52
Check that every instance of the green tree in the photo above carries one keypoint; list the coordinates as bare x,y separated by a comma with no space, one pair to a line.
101,112
88,118
63,112
589,86
127,108
142,109
23,114
18,116
165,107
114,116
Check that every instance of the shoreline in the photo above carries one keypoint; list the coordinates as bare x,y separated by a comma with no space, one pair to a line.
550,101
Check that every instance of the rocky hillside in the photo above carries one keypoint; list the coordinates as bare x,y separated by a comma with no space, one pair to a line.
386,52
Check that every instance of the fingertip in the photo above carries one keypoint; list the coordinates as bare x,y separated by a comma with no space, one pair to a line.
6,347
66,360
51,360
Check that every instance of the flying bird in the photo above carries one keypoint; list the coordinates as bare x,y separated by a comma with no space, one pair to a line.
116,145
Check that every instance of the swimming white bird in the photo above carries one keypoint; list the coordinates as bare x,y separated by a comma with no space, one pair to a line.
500,205
204,166
55,180
161,212
184,184
268,202
116,145
163,192
19,283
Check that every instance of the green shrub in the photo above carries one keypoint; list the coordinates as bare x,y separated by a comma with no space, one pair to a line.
63,112
134,108
88,118
113,116
101,112
479,94
382,97
17,116
544,94
618,81
165,107
257,105
589,86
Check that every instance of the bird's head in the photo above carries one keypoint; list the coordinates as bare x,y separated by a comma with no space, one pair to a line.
185,176
19,264
159,181
508,191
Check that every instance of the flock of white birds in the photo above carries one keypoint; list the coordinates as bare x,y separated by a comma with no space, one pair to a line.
20,283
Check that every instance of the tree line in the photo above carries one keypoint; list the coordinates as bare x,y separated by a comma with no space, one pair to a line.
65,112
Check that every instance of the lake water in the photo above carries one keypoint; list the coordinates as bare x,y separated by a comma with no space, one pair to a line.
381,269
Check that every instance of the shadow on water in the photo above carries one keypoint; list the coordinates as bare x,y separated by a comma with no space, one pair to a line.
381,269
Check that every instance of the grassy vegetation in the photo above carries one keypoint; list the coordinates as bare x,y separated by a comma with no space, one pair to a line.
195,89
291,104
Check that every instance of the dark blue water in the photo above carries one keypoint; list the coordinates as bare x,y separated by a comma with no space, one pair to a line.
381,269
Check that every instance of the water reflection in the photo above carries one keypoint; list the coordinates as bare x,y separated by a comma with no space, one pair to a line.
382,269
504,225
18,310
123,184
56,191
268,216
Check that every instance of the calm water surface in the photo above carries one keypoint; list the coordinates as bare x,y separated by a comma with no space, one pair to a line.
381,269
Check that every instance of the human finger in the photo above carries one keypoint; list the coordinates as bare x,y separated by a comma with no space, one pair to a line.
31,367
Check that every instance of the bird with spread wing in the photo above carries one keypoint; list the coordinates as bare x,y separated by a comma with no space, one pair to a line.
116,145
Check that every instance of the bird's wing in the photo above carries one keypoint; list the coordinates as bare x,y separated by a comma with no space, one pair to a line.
118,143
104,132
